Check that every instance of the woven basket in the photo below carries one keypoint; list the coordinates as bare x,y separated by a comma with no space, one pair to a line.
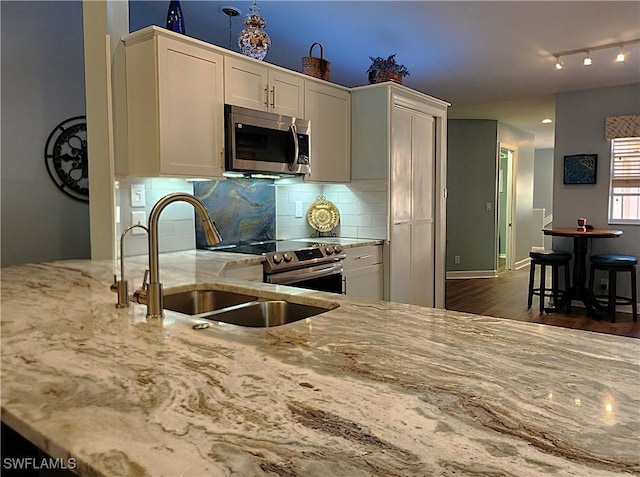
316,67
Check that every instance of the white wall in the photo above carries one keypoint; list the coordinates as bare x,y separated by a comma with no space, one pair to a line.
580,119
42,85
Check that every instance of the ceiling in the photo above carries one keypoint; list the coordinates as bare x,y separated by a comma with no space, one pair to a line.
490,60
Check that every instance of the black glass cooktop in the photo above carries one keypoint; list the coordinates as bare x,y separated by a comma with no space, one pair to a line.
259,248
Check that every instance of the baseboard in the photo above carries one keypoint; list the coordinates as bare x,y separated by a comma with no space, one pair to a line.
522,263
463,274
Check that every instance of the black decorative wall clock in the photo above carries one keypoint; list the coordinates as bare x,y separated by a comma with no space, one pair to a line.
66,157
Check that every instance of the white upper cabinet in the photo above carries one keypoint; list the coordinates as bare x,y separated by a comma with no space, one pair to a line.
255,85
175,107
329,110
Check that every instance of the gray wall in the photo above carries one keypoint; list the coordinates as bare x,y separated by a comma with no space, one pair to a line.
580,118
42,85
471,183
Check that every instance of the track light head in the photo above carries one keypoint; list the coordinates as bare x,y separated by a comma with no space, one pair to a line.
558,63
587,59
621,56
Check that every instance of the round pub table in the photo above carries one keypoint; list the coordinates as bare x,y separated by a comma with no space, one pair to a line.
578,290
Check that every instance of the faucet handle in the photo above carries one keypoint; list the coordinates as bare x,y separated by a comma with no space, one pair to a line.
140,295
145,280
121,287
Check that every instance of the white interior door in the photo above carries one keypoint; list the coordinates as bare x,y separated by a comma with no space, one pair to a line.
506,205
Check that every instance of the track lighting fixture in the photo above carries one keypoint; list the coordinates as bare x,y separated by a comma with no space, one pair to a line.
587,52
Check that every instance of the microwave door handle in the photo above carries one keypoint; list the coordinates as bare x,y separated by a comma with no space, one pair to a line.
296,147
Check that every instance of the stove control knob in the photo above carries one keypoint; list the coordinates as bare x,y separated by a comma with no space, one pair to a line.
328,249
287,257
338,249
277,258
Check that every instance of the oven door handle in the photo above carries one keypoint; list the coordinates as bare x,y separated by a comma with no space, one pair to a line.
308,273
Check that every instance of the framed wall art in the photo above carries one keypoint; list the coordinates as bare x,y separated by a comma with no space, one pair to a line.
580,169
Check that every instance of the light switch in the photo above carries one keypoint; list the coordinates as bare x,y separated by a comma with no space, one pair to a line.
138,217
137,195
298,208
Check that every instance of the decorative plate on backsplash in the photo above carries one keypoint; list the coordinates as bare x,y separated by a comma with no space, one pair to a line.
323,215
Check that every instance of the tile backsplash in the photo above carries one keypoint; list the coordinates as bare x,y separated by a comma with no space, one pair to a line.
252,207
362,205
176,225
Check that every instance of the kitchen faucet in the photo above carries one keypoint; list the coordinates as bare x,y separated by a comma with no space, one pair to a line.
121,287
155,300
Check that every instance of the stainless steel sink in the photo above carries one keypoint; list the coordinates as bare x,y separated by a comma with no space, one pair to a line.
196,302
263,314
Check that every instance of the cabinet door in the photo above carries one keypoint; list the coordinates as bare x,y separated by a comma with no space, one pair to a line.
260,87
245,84
423,205
400,262
191,110
329,110
286,94
174,108
411,233
364,283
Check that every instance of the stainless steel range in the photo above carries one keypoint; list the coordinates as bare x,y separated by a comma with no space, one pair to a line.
312,265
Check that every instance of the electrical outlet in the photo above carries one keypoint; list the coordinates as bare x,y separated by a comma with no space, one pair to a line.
137,195
487,206
604,284
456,259
138,217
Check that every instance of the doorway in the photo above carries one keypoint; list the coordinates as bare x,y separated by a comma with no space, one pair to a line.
506,199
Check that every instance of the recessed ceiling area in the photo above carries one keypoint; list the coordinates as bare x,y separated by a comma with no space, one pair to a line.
490,60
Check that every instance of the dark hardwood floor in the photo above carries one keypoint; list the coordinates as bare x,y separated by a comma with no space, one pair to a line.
506,297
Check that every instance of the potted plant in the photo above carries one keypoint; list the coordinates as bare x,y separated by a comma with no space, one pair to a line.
386,69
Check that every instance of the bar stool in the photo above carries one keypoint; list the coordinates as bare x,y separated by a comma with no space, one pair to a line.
613,263
555,260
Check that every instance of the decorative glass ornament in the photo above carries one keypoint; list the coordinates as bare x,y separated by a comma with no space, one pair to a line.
253,40
175,19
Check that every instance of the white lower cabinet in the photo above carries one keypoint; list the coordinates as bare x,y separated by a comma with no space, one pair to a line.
363,272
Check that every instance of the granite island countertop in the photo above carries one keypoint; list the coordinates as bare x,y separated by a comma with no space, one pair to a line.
369,388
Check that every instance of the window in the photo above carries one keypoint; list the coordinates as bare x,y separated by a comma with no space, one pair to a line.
624,193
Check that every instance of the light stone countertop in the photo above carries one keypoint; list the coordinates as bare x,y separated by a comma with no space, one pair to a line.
369,388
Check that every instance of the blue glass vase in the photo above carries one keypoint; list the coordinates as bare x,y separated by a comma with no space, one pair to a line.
175,19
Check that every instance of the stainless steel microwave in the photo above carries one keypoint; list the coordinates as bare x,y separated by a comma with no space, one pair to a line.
264,142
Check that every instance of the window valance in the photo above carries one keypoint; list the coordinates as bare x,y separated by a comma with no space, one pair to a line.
622,126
